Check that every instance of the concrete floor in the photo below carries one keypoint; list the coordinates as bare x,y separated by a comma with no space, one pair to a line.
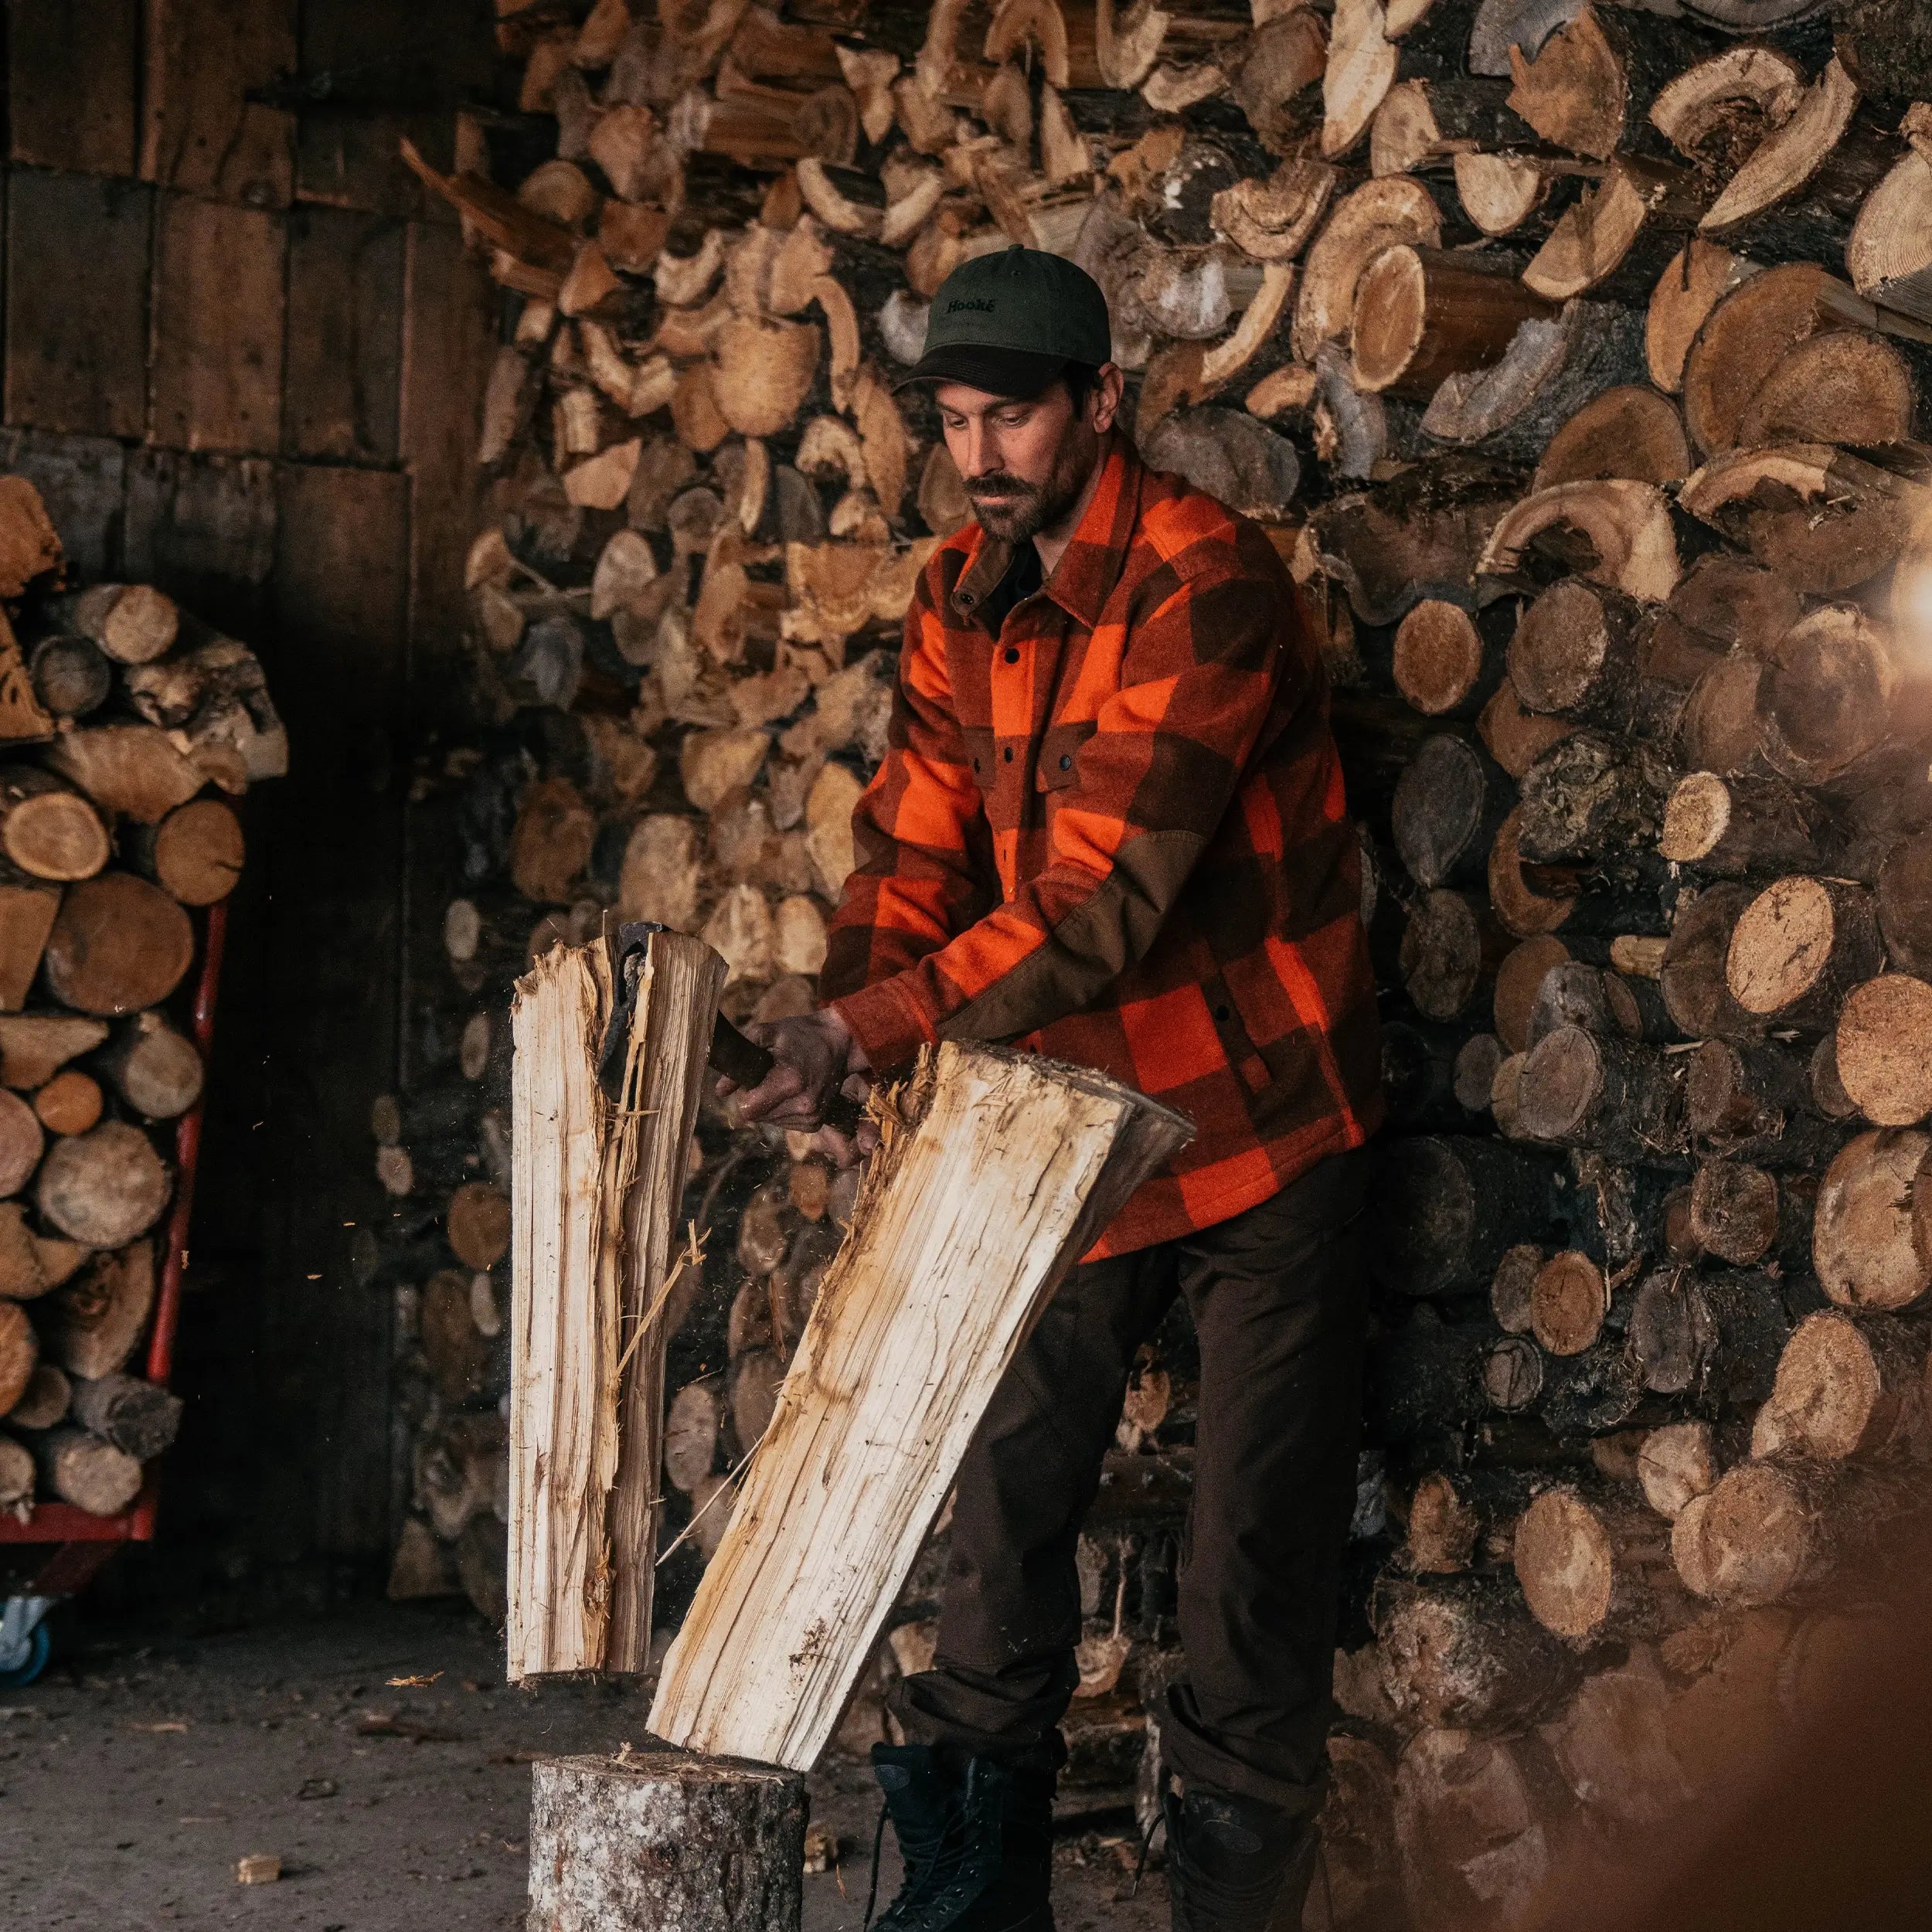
132,1779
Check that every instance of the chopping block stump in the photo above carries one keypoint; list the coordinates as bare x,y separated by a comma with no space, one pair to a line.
665,1840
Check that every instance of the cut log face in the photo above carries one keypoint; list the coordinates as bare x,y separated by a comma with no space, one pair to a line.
1379,214
1626,523
1627,431
1420,315
1797,948
1699,275
197,852
104,1188
1871,1238
1828,695
1450,949
117,944
1677,1464
20,1142
1846,386
1447,807
1574,651
773,1595
1568,1304
1438,656
46,830
1566,1563
1844,1389
134,769
1884,1048
1750,1540
1890,253
94,1321
155,1070
1463,1654
93,1475
1790,155
1692,978
1735,827
1719,110
19,1355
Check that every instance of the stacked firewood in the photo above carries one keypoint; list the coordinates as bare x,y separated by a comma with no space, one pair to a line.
1571,354
125,728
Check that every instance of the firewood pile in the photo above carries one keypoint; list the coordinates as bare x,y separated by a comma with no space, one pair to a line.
1573,355
125,727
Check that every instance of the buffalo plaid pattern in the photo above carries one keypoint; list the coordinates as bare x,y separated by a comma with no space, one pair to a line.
1115,833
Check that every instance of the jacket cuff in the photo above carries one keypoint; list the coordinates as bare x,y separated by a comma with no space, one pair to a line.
886,1021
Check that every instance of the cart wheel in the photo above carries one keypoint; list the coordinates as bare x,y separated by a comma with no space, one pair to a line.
39,1648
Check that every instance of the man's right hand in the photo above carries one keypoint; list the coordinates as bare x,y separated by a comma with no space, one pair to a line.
815,1054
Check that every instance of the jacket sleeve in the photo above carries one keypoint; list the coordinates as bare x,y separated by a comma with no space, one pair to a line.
923,870
1203,671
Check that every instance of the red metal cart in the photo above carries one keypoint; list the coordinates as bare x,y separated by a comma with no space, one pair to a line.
78,1545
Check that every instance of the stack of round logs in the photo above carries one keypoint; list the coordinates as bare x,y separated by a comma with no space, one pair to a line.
124,728
1573,356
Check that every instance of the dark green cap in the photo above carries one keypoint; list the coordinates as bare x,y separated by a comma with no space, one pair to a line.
1009,322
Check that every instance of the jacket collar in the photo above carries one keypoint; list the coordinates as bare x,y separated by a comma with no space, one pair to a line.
1094,557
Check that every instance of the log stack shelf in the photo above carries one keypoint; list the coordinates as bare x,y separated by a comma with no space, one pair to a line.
1574,359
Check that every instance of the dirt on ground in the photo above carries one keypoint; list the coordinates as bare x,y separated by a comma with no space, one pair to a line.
382,1759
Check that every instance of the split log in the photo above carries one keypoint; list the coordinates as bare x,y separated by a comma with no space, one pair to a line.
83,1470
666,1837
1554,367
47,830
1582,1562
1451,949
1889,254
1595,77
1744,1215
1379,214
1421,314
16,1476
1271,220
1628,430
1732,828
20,1142
1868,1238
1517,738
95,1318
1757,1535
1519,983
1462,1652
1615,239
195,853
1448,805
135,771
31,1264
27,914
1577,1090
1884,1048
1697,277
1799,947
103,1188
1845,1388
1716,113
1752,1101
1717,1336
1624,524
20,1354
877,1464
597,1188
1452,1206
1427,121
1675,1463
117,944
29,543
155,1070
136,1416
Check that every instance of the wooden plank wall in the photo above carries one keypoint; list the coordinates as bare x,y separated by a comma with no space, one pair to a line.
242,358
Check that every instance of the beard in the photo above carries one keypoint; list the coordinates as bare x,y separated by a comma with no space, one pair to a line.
1014,511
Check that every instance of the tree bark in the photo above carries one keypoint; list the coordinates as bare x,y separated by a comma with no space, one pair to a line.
1453,1205
1717,1336
134,1416
1579,1090
662,1837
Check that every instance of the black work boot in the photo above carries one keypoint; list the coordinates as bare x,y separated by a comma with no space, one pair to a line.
1235,1865
976,1841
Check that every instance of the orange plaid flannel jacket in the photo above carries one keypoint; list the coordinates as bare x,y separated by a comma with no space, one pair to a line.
1115,833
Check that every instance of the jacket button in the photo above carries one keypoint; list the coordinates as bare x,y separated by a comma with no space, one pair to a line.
1012,654
1067,764
1009,754
1221,1013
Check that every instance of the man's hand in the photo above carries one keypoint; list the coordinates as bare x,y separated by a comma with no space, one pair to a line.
815,1054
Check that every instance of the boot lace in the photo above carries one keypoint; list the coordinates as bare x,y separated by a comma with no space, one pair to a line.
945,1871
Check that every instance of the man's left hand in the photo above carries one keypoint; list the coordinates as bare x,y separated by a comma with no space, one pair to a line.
815,1052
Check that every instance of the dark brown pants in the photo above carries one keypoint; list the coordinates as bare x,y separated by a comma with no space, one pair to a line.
1278,1307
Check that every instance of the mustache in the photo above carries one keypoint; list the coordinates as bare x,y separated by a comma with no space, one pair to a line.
1000,486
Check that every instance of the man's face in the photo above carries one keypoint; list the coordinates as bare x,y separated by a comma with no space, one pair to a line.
1024,462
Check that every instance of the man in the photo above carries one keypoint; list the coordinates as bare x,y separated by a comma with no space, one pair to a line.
1110,828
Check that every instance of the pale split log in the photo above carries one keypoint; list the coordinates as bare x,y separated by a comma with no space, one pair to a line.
1889,256
1598,235
1588,82
791,1606
596,1188
132,623
1361,64
135,771
1845,385
1790,155
154,1069
1628,430
1718,110
1427,121
1883,1049
1674,1464
20,1354
1699,276
669,1838
1272,220
1377,215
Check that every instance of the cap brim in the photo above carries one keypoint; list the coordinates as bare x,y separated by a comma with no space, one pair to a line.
1016,373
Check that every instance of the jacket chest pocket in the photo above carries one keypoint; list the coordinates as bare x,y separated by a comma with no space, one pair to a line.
1059,747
